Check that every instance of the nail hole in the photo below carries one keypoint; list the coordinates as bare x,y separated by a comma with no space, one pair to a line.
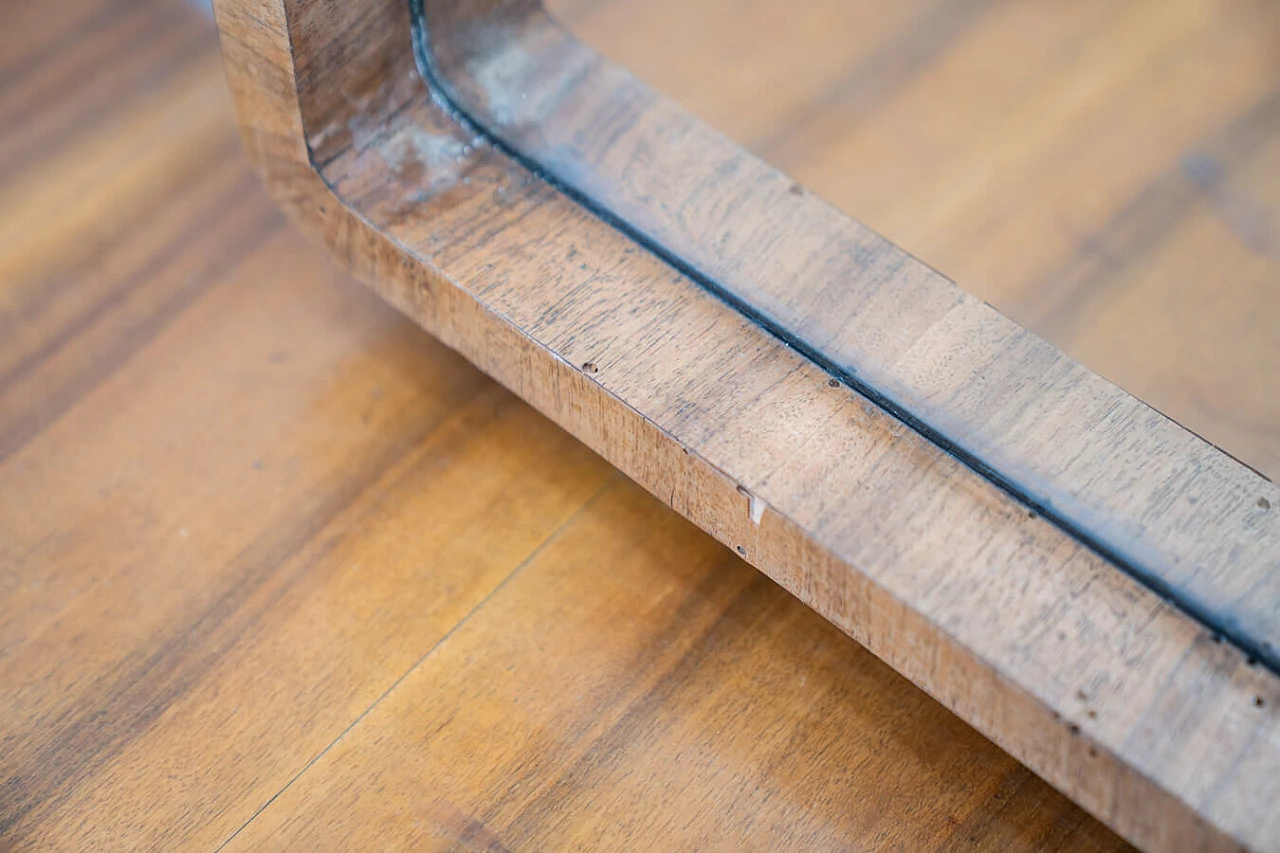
834,383
1093,752
1263,503
1092,714
742,550
1074,729
590,367
1257,702
1082,696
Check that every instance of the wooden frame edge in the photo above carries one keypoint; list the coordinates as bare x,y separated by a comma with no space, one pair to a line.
274,49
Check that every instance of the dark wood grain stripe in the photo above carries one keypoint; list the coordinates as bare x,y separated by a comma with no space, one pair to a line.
167,297
16,68
41,84
135,61
110,294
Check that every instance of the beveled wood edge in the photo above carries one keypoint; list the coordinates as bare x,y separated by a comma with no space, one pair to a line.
1046,734
1177,513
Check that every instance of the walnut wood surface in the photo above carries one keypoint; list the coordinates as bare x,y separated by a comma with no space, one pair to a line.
233,488
1185,518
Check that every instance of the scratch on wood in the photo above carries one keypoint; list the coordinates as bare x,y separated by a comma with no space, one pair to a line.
755,506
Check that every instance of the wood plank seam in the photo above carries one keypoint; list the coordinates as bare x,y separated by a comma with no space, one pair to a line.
547,543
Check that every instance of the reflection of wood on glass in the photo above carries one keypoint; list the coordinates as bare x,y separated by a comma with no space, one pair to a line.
1043,645
243,507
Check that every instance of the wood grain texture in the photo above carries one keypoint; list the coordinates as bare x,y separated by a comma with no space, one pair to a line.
1102,172
252,521
694,750
1068,664
1177,513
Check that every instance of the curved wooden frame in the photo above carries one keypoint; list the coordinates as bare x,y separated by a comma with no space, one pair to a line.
1124,702
1159,502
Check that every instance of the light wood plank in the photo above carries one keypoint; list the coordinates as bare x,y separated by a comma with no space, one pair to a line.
654,731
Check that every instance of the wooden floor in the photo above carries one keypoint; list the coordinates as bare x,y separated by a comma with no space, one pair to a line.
278,570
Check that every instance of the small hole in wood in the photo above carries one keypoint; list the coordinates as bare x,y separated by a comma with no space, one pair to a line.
796,189
590,367
1092,714
1093,752
1250,661
1257,702
834,383
1074,729
1263,503
742,550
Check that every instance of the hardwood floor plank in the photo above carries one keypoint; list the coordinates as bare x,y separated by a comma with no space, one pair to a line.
716,714
39,34
86,192
135,54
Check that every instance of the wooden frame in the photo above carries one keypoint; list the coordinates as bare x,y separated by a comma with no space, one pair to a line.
1070,606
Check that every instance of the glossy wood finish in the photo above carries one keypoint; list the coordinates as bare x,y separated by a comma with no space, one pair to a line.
259,534
1052,652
